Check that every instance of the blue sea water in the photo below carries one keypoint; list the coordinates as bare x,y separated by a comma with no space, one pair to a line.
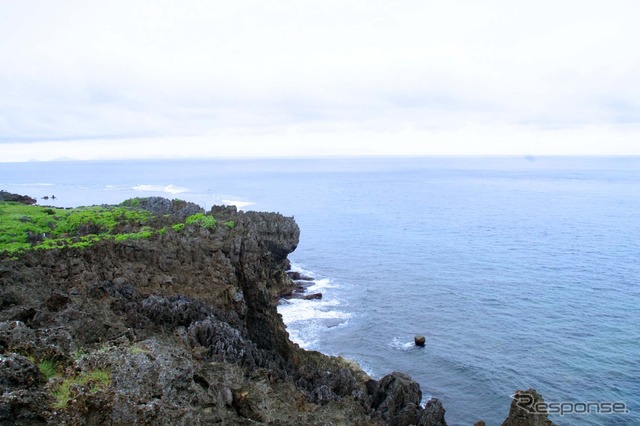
521,272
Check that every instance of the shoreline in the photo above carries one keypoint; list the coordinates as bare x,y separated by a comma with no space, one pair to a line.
194,302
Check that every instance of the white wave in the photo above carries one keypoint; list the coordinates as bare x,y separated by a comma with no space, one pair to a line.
296,337
239,204
404,346
171,189
297,268
321,284
297,310
308,320
318,284
364,366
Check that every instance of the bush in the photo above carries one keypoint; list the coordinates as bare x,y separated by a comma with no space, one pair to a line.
202,220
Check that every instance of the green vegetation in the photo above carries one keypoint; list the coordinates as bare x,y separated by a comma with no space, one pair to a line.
132,202
29,227
23,227
202,220
78,354
145,232
48,368
95,380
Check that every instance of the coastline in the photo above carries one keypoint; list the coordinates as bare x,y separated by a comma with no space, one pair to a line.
181,322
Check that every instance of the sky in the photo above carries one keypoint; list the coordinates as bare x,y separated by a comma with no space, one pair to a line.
84,79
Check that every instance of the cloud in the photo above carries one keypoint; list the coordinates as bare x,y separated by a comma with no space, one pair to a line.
477,73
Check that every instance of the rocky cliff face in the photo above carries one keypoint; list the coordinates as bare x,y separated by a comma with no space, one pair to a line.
179,328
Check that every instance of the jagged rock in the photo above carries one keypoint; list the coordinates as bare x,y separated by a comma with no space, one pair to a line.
18,372
312,296
173,310
522,412
57,301
297,276
24,199
224,213
433,414
23,399
397,398
162,206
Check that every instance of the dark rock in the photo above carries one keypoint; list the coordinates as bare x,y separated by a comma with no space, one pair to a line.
18,372
23,399
297,276
8,298
312,296
479,423
57,301
290,294
224,213
522,411
433,414
24,199
397,398
173,310
162,206
419,341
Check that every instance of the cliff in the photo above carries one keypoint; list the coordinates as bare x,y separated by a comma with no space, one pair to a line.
154,312
167,315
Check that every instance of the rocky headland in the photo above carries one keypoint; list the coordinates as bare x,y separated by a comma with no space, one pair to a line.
155,312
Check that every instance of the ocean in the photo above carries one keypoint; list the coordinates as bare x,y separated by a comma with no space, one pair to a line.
520,271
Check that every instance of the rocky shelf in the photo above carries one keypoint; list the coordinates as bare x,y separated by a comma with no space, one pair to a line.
176,324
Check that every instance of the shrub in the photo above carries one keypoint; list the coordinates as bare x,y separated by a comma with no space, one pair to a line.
202,220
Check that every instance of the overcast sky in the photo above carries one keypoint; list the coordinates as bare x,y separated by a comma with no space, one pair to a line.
113,79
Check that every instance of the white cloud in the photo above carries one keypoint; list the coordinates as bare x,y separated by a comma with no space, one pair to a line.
469,72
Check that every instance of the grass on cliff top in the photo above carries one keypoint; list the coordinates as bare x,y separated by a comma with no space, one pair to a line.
25,227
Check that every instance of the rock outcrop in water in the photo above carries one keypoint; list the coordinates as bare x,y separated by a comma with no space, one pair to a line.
179,327
523,412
